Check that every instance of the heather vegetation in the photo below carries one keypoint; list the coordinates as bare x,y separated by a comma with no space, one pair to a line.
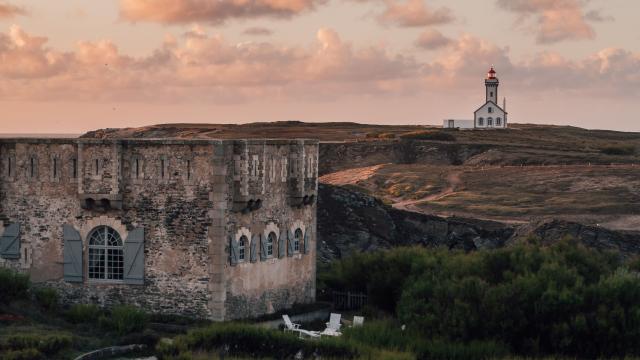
35,324
527,300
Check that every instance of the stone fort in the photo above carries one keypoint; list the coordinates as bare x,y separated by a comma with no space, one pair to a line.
218,229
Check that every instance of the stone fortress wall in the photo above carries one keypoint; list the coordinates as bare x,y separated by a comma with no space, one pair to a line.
182,209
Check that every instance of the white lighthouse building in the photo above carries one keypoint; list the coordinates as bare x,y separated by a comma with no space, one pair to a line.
488,116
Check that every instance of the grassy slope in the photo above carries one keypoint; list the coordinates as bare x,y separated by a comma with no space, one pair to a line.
605,195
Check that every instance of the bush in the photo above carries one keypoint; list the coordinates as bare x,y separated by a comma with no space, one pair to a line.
563,299
251,341
435,350
618,150
13,285
47,345
124,319
47,298
25,354
429,135
379,135
83,313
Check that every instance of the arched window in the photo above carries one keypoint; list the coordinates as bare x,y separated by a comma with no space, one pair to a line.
498,122
481,121
242,245
297,239
271,240
489,122
106,259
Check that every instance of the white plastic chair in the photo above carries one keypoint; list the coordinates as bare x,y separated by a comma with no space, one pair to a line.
333,326
358,321
291,326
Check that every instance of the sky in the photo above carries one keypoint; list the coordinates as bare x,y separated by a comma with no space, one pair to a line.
68,66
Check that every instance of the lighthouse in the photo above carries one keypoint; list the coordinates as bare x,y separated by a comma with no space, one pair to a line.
490,115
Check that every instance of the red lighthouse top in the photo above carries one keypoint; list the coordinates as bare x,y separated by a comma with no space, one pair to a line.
491,74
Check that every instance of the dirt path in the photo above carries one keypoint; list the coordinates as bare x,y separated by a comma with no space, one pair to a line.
453,180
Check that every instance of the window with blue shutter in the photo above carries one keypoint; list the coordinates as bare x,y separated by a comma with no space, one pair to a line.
281,244
134,257
307,240
233,251
254,248
10,242
264,247
72,266
290,246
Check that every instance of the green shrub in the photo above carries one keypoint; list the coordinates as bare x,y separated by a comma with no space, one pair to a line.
477,350
384,334
379,135
251,341
124,319
47,298
563,299
429,135
618,150
13,285
25,354
83,313
47,344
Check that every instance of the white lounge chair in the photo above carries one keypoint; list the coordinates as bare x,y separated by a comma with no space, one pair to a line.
333,326
291,326
358,321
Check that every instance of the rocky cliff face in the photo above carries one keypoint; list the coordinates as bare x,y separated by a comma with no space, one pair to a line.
627,243
350,222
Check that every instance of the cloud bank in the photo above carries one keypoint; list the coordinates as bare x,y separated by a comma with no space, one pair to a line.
8,10
554,20
211,11
206,67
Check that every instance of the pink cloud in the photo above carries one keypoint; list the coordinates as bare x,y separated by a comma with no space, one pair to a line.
200,67
432,39
257,31
211,11
414,13
555,20
8,10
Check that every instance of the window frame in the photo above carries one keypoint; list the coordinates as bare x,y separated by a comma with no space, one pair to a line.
242,248
480,121
106,251
271,241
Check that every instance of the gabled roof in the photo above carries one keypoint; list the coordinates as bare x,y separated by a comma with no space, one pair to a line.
494,104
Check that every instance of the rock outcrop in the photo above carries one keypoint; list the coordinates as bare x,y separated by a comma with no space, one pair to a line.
350,222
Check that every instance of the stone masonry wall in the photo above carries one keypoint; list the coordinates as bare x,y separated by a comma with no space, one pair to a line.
183,193
254,288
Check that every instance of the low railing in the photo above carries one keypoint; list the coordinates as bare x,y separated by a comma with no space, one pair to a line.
348,300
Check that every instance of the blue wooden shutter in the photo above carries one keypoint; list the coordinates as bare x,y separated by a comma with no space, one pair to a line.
10,242
281,244
263,248
307,240
233,251
134,257
72,267
290,242
254,248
